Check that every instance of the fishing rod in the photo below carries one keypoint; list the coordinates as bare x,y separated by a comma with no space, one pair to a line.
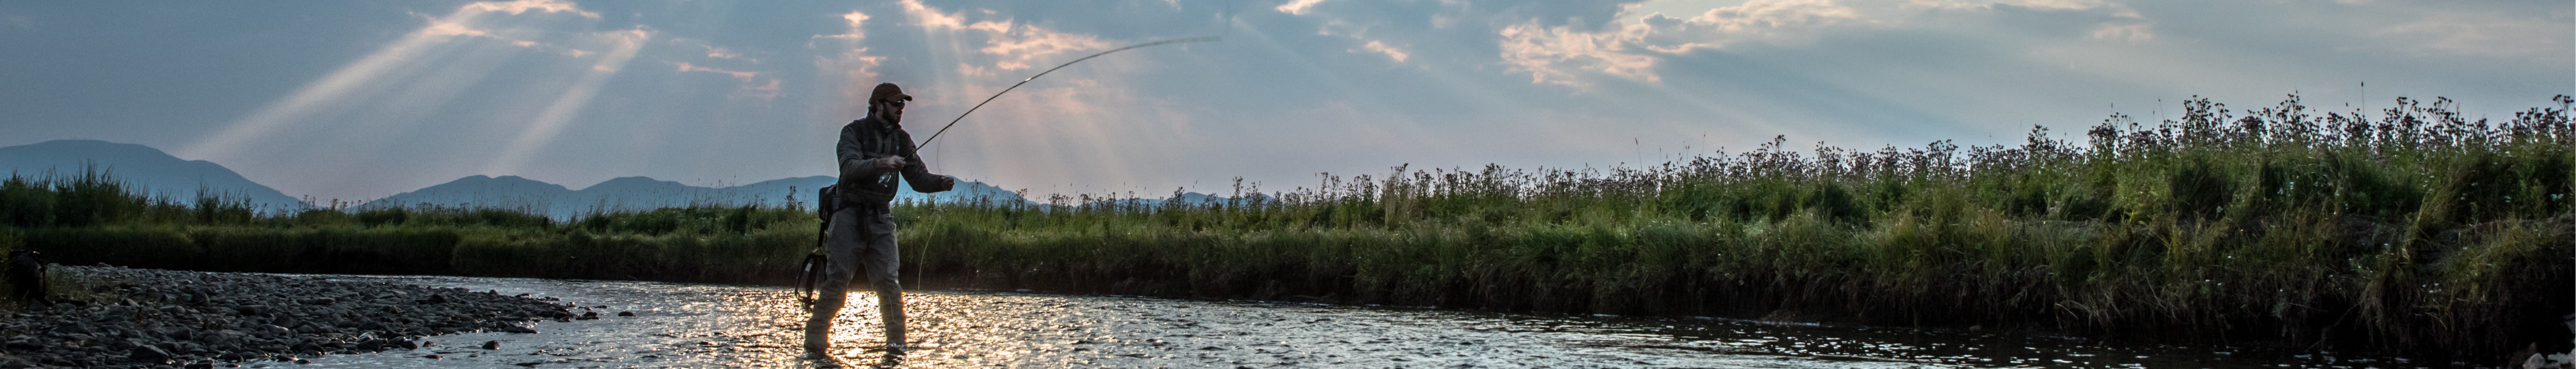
996,95
918,278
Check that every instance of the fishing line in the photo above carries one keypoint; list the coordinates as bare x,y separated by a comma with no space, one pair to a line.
920,273
962,116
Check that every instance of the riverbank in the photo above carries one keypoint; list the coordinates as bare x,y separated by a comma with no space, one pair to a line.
112,317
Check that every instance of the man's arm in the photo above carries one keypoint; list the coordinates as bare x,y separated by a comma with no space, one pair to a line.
917,172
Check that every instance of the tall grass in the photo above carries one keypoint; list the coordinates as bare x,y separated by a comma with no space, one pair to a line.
2419,230
90,217
2413,229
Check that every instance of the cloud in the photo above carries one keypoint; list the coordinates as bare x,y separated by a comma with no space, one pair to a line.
715,52
1381,48
741,75
1556,54
1014,45
765,92
1630,46
748,84
2485,34
478,20
1297,7
848,62
1760,15
2130,32
522,6
857,30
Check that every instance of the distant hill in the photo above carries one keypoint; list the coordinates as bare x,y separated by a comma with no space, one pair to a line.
626,194
149,171
155,173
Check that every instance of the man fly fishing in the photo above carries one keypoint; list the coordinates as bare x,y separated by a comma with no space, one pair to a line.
873,152
859,233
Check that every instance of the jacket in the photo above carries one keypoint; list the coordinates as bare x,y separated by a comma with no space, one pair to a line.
863,184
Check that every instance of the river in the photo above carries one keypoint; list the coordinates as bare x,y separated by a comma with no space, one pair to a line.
701,325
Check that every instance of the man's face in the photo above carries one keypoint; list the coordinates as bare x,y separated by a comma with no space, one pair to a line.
890,111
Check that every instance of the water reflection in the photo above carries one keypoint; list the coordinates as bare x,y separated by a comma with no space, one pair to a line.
684,325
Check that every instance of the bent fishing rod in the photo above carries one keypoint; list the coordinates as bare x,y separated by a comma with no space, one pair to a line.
996,95
917,278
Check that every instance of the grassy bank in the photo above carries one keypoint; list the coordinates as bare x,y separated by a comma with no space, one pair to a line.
2411,230
2416,231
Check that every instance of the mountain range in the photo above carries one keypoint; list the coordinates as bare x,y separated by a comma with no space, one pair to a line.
151,172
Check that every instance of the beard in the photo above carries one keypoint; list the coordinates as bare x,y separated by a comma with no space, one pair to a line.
888,118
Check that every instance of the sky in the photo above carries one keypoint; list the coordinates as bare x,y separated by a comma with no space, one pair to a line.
357,100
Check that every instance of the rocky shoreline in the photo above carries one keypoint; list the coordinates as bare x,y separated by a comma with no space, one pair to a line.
118,317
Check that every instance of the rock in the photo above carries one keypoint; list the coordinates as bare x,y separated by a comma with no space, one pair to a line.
492,345
75,328
625,313
157,318
150,355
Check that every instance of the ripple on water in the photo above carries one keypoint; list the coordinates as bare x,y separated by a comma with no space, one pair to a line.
697,325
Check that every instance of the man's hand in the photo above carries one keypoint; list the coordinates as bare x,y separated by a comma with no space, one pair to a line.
890,164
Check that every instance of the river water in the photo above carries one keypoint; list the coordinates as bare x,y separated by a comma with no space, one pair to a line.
700,325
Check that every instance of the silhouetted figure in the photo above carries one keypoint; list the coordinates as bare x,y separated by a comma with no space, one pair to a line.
873,153
27,276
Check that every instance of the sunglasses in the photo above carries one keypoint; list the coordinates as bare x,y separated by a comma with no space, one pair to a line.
896,103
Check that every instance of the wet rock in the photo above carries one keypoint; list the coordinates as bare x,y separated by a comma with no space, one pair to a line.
626,313
147,354
161,318
492,345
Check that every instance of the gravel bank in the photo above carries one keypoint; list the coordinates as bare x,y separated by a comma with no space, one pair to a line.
120,318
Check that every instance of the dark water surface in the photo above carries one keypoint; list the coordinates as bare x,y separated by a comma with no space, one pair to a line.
698,325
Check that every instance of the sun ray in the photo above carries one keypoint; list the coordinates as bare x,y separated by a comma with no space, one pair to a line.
568,105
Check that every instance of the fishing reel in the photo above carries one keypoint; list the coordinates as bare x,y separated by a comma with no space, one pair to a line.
808,279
